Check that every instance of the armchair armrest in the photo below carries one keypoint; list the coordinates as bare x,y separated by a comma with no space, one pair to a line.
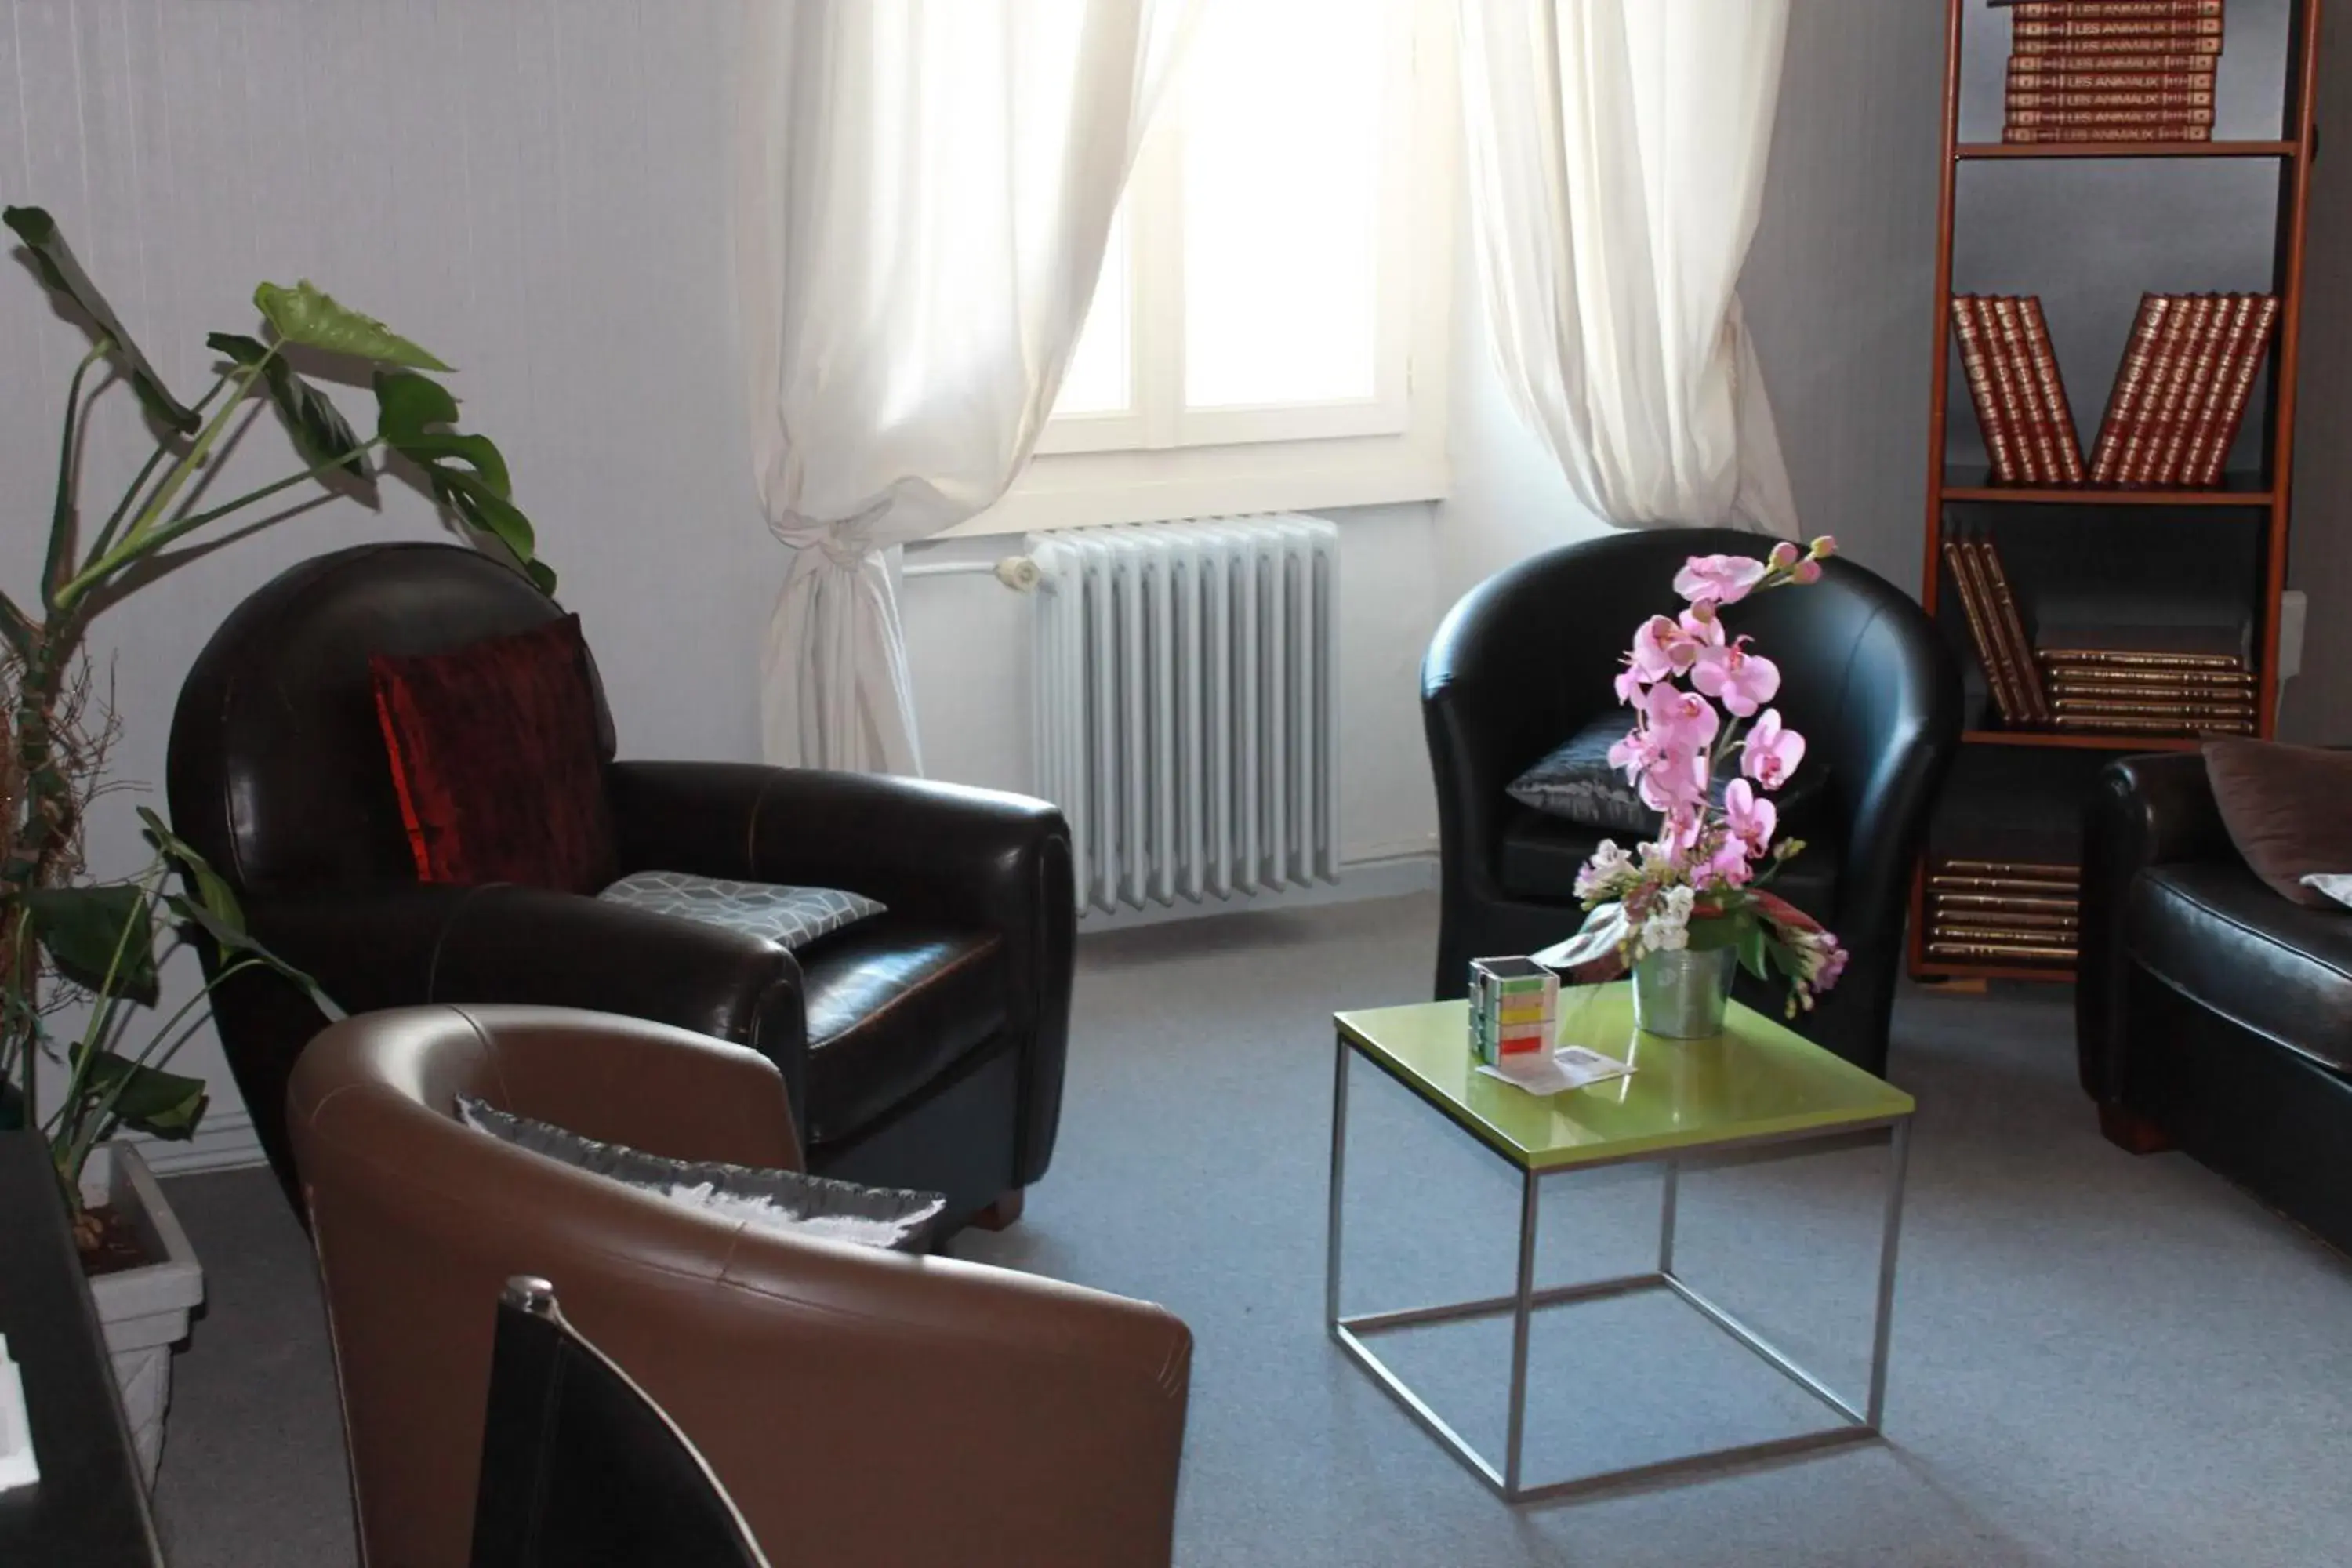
401,945
942,852
2144,811
945,851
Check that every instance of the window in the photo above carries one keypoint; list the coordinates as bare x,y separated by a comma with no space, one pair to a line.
1269,330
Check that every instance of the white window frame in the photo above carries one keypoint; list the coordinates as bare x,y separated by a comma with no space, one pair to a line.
1158,460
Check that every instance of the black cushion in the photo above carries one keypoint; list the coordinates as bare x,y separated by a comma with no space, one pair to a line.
893,1004
1575,781
2215,931
1540,856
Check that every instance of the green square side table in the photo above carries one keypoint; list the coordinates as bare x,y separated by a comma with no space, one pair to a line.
1755,1092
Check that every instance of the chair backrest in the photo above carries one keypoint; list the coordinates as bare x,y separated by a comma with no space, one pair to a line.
276,769
578,1464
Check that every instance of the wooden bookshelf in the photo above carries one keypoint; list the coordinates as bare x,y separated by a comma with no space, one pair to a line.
2087,222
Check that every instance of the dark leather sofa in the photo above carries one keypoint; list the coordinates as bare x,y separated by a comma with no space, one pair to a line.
1527,658
2211,1014
923,1047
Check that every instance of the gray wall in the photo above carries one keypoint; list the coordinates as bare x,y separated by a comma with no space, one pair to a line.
1839,281
2318,706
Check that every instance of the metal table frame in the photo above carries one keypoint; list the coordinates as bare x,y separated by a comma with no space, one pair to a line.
1855,1426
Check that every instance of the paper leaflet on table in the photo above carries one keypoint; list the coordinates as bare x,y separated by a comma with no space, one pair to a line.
1570,1066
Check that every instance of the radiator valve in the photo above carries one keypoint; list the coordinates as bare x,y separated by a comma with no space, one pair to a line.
1019,573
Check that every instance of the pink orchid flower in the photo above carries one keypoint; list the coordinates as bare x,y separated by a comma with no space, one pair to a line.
1675,779
1740,680
1653,658
1701,631
1631,756
1751,817
1681,717
1784,555
1773,751
1719,579
1729,865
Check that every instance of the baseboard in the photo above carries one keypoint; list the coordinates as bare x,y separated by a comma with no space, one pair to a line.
225,1140
1372,877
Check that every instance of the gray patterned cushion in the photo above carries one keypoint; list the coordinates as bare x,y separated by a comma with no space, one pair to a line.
788,1201
789,917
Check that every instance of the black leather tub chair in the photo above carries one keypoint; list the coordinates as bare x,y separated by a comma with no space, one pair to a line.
1527,658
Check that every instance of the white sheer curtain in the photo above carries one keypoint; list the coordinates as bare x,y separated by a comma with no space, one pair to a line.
924,192
1617,152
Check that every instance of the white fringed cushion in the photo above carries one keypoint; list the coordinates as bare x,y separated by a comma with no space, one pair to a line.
789,917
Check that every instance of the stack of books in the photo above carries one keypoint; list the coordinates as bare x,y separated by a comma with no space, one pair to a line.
1997,629
2004,911
2013,381
2148,680
2182,391
2112,70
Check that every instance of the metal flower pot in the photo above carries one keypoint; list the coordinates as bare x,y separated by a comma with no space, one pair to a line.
1682,995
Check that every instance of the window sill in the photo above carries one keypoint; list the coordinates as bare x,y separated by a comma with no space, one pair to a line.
1074,489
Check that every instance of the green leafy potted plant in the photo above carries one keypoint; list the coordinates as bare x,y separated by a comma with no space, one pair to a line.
71,945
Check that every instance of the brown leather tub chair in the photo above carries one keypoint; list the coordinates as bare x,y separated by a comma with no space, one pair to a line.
861,1406
923,1047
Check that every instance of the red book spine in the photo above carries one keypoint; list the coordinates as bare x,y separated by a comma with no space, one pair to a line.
2012,369
2114,10
2241,375
2055,106
2112,74
2130,386
1980,618
2010,628
2133,35
1992,418
2200,355
2060,416
2150,131
2161,395
2212,391
2127,116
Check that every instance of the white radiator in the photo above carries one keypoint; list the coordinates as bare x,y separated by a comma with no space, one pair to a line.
1184,712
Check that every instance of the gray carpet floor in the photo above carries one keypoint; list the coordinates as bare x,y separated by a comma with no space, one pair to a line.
2098,1360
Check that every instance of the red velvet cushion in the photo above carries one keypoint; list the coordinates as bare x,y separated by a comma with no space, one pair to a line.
493,751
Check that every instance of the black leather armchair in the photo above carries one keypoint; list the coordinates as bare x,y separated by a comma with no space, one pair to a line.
1527,658
2211,1014
923,1047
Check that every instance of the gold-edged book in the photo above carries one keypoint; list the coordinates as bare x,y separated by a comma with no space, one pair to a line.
2054,903
2163,689
2151,674
2134,706
2150,659
2106,725
1943,919
2000,953
1962,882
2031,870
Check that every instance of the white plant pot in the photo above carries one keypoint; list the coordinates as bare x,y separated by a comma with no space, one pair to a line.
143,1311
